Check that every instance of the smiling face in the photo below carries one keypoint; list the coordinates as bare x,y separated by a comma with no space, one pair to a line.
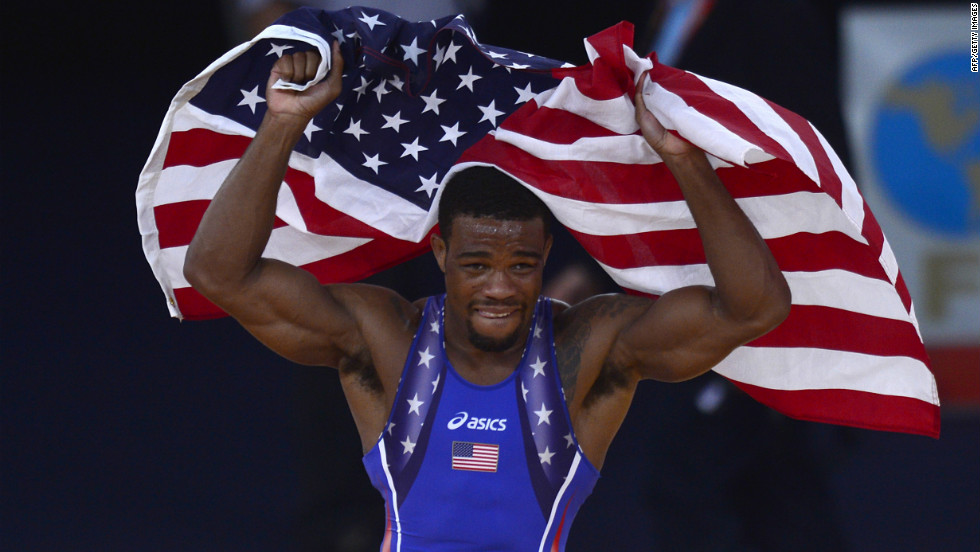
493,278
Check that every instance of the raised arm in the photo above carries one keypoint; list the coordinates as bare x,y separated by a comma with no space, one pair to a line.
689,330
283,306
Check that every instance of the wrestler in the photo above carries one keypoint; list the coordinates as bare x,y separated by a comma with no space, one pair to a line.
484,414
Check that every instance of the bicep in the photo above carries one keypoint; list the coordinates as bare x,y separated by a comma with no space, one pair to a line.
680,336
289,311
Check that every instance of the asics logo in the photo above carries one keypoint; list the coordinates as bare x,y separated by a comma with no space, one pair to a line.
486,424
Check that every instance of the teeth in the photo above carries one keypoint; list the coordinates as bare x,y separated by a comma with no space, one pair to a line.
492,315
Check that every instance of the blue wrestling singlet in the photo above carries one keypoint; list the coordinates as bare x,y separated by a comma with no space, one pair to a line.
472,467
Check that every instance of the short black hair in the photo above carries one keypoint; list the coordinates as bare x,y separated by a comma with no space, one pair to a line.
482,191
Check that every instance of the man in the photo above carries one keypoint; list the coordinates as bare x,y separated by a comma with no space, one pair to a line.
495,408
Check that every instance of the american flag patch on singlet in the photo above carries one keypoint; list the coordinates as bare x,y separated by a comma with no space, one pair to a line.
475,456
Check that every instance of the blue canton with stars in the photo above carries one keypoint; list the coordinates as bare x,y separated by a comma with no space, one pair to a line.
416,94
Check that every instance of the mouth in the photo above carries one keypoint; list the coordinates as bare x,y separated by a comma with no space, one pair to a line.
496,312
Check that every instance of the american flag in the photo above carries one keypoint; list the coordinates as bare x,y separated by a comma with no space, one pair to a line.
479,457
422,100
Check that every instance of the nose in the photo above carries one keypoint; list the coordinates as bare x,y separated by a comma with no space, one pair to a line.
499,286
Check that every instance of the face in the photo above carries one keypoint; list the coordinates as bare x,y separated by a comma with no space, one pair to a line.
493,278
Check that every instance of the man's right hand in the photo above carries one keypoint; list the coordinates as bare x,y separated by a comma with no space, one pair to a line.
300,107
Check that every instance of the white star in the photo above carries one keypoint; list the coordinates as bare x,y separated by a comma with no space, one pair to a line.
339,35
451,133
468,79
415,403
538,367
390,427
569,440
409,446
544,415
373,163
355,129
451,52
370,21
537,330
425,358
434,327
396,82
310,129
435,384
380,90
394,121
431,102
495,55
524,94
544,456
278,49
428,186
518,66
251,98
490,113
438,56
362,89
412,51
413,149
524,391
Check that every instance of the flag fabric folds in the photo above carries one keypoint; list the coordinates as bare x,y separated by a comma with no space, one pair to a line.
423,100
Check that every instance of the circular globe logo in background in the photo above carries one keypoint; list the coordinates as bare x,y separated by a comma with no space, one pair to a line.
926,144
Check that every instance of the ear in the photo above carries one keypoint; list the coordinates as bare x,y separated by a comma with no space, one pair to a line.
547,249
439,249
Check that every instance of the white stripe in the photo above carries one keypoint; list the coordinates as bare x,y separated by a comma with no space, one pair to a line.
187,183
285,244
837,289
773,216
851,201
362,200
394,495
628,150
615,114
769,122
703,131
190,117
792,369
561,492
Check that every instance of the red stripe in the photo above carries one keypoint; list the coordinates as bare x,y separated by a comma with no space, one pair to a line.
801,252
354,265
829,328
852,408
557,126
177,222
601,182
556,544
202,147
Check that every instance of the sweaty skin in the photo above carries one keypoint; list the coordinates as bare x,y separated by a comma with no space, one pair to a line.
604,345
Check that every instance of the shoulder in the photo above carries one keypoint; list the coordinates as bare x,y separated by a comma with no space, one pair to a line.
586,335
613,311
380,326
380,323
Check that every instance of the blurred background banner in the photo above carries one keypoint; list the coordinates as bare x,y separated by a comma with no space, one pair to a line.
912,108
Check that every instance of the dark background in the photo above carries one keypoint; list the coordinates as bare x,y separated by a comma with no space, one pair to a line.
123,429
